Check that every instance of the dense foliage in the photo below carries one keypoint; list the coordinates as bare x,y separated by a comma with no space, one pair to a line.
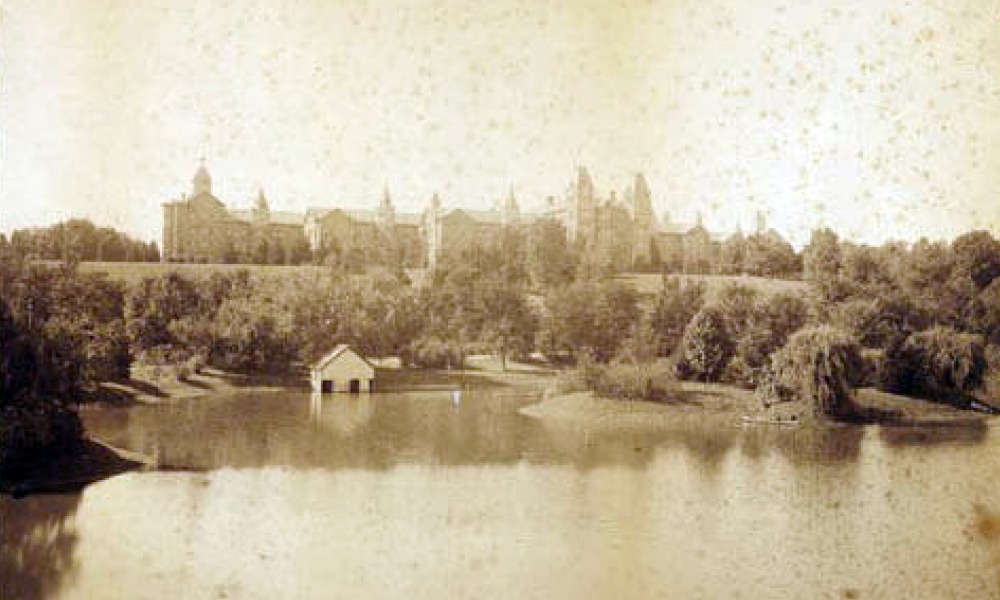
705,348
587,317
61,333
80,240
929,307
939,363
924,316
815,366
651,380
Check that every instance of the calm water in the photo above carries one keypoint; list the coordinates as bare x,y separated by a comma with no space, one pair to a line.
411,496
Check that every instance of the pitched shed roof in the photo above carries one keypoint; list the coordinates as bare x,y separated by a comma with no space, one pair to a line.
335,353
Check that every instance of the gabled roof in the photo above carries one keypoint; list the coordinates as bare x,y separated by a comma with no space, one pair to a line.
362,215
335,353
479,216
277,217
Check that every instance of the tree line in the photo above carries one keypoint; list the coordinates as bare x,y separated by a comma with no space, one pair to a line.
80,240
922,319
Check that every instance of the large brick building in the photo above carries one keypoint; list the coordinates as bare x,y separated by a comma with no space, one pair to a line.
199,228
371,236
622,229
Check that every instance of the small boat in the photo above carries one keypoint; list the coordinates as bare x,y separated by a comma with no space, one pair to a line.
770,420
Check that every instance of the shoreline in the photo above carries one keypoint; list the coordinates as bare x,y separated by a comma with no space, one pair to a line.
714,405
72,470
147,387
694,405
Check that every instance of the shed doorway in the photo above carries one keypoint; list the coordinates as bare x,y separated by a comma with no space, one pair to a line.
355,386
326,386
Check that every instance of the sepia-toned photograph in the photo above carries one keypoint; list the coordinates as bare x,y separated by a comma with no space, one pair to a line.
555,299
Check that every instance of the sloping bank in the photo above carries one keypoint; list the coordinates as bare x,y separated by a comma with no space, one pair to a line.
727,406
692,403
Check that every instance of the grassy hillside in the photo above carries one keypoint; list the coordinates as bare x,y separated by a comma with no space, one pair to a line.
645,283
649,283
129,272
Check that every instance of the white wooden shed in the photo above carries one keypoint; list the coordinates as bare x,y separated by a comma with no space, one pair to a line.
342,370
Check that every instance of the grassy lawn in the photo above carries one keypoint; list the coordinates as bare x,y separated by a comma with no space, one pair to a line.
644,283
649,283
130,272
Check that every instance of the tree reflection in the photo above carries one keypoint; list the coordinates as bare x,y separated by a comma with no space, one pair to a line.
965,435
806,444
37,541
382,430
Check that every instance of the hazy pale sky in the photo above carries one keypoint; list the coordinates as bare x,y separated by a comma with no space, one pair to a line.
878,118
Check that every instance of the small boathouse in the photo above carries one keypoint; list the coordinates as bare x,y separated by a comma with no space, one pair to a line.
342,370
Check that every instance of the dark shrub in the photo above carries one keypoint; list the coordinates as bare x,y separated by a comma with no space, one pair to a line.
939,363
433,353
764,327
874,371
633,381
878,322
29,426
815,366
990,388
674,306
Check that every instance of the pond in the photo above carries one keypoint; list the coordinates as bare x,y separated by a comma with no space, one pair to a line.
425,495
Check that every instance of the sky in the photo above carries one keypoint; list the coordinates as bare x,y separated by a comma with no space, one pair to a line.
880,119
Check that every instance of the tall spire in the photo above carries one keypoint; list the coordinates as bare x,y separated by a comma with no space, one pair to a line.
761,224
584,185
261,202
642,198
386,211
434,203
260,214
509,211
201,183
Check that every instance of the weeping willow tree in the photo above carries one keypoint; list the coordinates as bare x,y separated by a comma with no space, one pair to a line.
815,366
939,363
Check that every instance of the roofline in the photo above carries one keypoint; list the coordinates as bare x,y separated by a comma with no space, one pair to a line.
337,351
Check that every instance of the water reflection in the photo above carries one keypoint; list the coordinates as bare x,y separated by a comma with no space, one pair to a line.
967,435
37,542
477,500
805,445
382,430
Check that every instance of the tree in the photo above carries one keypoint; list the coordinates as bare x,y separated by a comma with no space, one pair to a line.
508,322
251,335
985,313
732,259
822,263
736,303
675,304
550,260
588,317
768,255
705,348
939,363
153,304
772,320
977,256
815,367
